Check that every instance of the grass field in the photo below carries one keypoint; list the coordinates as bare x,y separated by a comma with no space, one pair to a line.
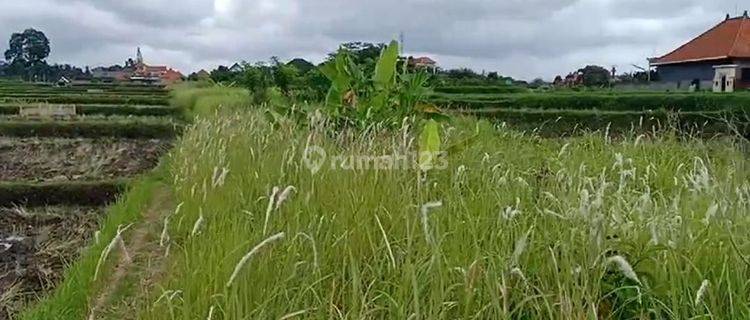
515,226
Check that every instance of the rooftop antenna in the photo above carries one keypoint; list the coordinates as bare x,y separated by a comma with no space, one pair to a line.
402,41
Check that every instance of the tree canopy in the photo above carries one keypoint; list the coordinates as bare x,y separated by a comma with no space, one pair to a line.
595,76
362,53
30,47
302,65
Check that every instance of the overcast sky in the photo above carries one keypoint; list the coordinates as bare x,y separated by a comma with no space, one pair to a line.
521,38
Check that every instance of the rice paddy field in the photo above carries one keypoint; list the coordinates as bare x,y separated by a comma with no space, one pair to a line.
66,153
240,222
555,112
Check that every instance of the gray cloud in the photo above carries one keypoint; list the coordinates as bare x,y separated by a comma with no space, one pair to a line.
521,38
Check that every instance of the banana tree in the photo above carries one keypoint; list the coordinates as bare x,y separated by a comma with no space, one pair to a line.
386,97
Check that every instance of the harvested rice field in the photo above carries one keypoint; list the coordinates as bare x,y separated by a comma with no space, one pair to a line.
36,245
35,159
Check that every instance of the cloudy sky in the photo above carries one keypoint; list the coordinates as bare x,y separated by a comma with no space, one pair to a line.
520,38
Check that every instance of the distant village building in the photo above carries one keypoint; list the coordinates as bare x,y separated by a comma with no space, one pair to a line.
573,79
63,82
202,75
719,59
111,74
423,63
137,71
236,68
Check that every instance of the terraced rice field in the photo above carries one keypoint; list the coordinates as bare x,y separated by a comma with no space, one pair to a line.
561,113
65,154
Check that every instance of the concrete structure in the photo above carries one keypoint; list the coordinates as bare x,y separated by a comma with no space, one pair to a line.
718,60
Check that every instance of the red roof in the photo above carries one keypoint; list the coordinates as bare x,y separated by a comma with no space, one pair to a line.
171,76
729,39
423,61
156,68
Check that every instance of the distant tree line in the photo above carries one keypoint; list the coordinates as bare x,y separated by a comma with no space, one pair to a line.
298,78
593,76
302,80
26,59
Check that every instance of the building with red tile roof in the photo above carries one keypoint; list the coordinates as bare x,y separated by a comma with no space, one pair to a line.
717,59
424,63
138,71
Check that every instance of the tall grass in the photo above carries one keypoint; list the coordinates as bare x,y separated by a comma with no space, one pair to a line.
202,99
517,226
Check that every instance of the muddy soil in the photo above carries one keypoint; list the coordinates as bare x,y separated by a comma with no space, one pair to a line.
77,159
36,245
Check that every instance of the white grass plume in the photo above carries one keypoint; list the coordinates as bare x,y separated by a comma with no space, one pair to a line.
210,313
105,253
701,292
625,267
520,247
639,139
425,210
198,224
164,238
250,254
218,178
510,212
271,200
518,273
710,213
284,196
295,314
563,150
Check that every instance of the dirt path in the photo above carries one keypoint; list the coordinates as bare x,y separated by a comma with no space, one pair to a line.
139,264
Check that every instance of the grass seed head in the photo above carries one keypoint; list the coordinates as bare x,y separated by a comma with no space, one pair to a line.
425,210
250,254
285,195
701,292
625,268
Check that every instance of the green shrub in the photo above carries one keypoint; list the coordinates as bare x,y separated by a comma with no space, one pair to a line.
480,89
195,98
